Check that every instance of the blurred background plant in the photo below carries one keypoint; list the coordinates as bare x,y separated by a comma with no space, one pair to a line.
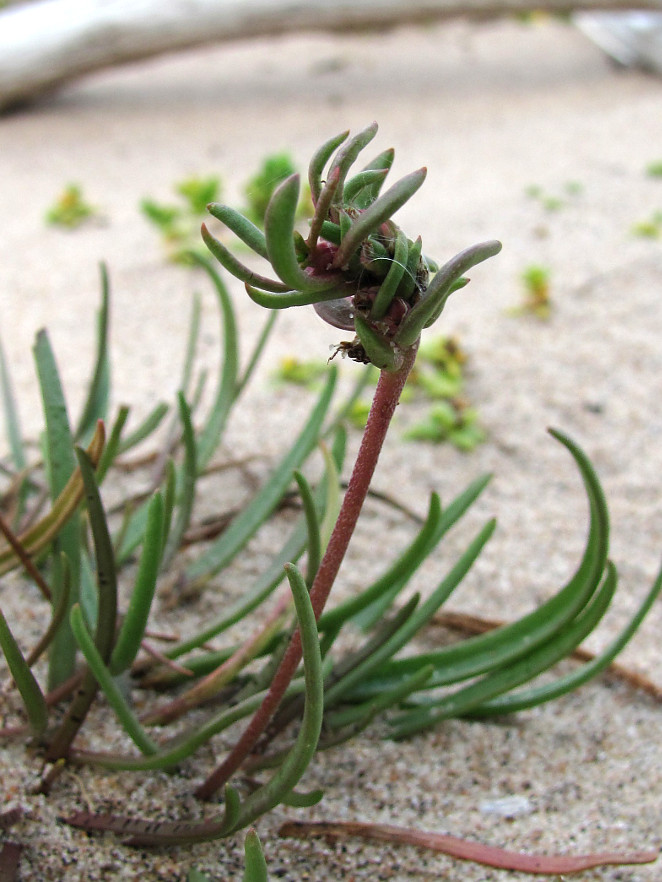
71,209
438,377
536,299
179,223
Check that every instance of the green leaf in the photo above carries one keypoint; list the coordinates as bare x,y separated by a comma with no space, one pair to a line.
383,161
376,214
186,485
33,698
501,679
113,693
236,268
36,538
428,309
241,226
96,404
149,425
398,572
416,621
255,513
347,154
389,287
505,645
135,621
104,636
562,685
319,160
256,866
12,422
288,775
60,465
279,228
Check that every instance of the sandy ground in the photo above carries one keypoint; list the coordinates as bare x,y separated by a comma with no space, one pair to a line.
492,110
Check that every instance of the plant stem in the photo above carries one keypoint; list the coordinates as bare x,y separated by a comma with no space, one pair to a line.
386,398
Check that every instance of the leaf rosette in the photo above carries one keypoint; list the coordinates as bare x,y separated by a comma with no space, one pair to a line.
356,266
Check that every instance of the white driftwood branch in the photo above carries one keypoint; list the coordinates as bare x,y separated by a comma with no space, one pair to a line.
47,43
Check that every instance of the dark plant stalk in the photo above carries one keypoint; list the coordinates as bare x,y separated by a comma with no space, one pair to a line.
386,398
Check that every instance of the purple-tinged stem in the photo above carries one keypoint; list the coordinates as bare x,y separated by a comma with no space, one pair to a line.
386,398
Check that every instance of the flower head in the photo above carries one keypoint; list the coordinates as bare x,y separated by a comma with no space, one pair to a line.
356,266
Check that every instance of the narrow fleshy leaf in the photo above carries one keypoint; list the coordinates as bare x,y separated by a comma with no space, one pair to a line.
527,698
33,698
58,612
377,213
322,209
210,436
113,444
389,286
270,578
242,228
12,422
106,614
347,154
430,306
184,745
483,652
314,543
319,159
291,298
416,621
236,816
149,425
236,268
255,866
339,680
135,621
383,353
383,161
96,403
191,343
256,353
502,679
247,522
303,750
111,690
36,538
186,484
368,178
404,566
410,280
279,228
387,587
462,849
330,232
388,698
60,465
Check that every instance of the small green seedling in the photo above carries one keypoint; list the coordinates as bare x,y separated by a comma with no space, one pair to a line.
551,201
179,224
301,373
259,189
70,209
654,169
450,420
536,300
650,228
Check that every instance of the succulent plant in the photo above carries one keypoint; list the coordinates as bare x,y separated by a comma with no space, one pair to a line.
356,266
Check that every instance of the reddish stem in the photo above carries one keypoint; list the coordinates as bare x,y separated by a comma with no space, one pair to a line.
386,398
